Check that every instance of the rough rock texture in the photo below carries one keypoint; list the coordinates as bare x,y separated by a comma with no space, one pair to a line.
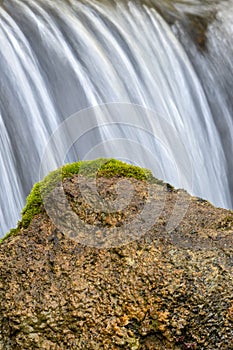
163,290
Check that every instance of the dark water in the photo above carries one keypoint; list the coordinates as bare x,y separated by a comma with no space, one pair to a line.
164,71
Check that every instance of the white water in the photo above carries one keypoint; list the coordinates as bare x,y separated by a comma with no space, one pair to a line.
58,58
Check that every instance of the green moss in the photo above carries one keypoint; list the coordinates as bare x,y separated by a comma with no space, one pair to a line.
100,167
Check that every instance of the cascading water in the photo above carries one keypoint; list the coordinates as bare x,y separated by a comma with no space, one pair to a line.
57,58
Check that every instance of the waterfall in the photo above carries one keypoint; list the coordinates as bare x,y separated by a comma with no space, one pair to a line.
64,57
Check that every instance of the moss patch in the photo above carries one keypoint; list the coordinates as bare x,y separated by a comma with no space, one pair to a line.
101,167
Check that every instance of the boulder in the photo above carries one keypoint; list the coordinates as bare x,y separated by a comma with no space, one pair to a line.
118,260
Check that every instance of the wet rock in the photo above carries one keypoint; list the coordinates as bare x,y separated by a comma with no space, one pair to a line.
160,289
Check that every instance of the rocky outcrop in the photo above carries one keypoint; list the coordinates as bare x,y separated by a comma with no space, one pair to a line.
116,287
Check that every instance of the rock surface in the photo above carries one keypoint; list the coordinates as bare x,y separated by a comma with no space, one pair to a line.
161,289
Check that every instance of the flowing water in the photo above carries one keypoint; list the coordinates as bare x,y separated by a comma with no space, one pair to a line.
59,58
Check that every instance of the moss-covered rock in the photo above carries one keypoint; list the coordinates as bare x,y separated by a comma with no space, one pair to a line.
92,168
160,290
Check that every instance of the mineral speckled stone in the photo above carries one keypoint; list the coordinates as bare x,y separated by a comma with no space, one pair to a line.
159,290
